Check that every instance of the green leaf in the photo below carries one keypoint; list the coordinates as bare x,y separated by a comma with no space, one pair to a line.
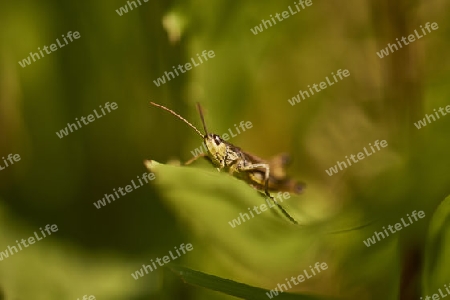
266,249
233,288
207,201
437,261
183,183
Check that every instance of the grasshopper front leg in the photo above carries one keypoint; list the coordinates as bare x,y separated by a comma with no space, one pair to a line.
195,158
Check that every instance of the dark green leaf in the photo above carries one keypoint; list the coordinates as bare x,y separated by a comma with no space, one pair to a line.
437,260
233,288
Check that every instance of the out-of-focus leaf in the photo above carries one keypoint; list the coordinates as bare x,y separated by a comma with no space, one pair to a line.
206,201
437,261
51,269
234,288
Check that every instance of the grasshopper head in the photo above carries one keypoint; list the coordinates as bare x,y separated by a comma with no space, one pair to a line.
216,147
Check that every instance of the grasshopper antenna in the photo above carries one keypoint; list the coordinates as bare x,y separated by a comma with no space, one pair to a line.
201,116
180,117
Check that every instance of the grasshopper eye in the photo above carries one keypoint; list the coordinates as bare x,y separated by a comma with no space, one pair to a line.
217,140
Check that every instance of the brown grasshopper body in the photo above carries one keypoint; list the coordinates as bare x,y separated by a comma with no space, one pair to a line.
261,174
250,168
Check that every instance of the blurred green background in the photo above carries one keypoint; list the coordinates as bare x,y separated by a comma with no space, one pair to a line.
250,78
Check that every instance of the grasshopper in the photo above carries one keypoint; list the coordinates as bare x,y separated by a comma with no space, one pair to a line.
259,173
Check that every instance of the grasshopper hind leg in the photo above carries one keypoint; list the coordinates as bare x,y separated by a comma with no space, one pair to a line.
266,169
285,213
266,191
281,208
